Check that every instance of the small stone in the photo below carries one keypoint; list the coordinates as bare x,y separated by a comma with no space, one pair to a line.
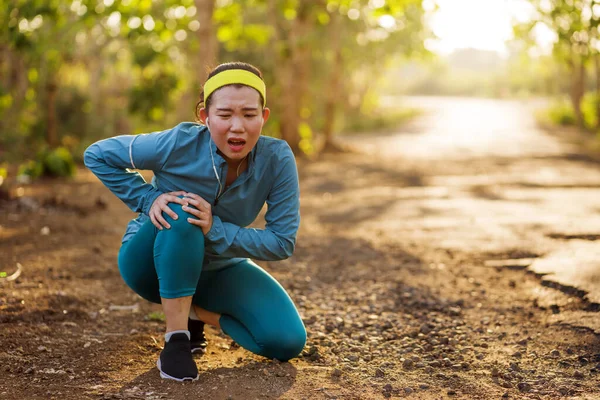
336,373
379,373
578,375
563,390
495,372
451,392
517,354
408,364
425,329
524,387
408,390
555,353
423,386
505,395
29,370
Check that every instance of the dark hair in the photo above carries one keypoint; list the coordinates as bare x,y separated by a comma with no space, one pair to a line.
205,103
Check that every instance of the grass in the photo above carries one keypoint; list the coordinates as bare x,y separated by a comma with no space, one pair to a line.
559,119
379,120
158,316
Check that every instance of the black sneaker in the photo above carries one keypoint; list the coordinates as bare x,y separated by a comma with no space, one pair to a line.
198,340
175,361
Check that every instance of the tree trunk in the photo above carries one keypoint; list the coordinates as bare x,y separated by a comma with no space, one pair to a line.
51,132
333,91
597,100
578,90
209,47
16,83
207,58
293,72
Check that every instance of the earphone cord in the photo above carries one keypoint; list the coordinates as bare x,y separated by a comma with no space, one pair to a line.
215,170
220,193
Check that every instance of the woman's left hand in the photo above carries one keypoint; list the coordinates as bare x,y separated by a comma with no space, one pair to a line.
202,211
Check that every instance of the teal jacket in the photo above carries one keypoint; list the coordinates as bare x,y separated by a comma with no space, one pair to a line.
180,160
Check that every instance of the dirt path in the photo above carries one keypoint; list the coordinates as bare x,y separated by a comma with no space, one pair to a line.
410,273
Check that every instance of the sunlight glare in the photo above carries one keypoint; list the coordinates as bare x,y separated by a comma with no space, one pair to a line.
353,14
148,22
114,20
375,4
483,25
134,22
387,22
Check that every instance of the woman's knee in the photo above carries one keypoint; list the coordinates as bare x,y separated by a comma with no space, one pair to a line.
142,281
181,226
285,345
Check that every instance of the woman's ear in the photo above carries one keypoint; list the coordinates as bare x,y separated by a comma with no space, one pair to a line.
265,114
203,114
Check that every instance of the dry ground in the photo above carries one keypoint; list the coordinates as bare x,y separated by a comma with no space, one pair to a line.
409,274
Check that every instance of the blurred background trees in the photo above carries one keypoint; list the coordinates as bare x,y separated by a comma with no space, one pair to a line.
73,72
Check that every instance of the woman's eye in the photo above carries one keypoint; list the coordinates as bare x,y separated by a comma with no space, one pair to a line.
250,115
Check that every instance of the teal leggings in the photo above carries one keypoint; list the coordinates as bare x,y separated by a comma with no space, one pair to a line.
256,312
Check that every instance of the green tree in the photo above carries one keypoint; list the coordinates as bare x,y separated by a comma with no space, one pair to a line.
575,23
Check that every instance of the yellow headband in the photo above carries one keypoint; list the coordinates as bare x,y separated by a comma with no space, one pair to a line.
233,76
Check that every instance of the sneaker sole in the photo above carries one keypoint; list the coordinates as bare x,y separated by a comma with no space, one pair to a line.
199,350
167,376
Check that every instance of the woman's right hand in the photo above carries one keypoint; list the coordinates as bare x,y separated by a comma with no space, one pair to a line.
160,205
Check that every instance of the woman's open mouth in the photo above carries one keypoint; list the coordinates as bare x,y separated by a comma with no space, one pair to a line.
236,145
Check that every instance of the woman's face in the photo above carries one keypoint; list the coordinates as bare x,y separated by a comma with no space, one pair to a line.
235,119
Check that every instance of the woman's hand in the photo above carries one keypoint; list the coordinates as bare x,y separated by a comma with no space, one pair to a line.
202,211
160,205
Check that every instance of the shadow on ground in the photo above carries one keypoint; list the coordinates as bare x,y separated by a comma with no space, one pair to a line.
250,381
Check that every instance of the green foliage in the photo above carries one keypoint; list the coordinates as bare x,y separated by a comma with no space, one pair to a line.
151,95
378,120
59,163
127,67
31,168
306,139
157,316
3,173
561,112
52,163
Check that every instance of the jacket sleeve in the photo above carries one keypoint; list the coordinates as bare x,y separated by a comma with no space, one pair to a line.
111,160
278,239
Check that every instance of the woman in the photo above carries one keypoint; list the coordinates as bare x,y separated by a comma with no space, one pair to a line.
189,249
